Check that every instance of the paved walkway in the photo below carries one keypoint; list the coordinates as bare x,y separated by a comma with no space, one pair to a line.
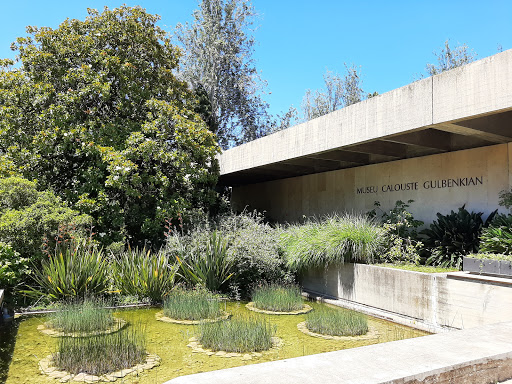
472,356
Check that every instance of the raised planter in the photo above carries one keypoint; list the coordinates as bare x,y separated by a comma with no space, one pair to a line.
487,266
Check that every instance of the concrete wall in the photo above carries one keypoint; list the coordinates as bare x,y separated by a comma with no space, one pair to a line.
434,299
322,193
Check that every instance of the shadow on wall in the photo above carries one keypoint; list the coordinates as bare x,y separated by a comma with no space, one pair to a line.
334,280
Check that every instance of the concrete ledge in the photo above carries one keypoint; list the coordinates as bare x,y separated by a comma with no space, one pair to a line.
471,356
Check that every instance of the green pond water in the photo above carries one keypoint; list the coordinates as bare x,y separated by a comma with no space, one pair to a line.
22,345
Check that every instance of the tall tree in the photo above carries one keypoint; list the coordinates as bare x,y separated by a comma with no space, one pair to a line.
96,114
339,92
449,58
218,47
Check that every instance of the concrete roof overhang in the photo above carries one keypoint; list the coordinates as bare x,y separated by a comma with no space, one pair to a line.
464,108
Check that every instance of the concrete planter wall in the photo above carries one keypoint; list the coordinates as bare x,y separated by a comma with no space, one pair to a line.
489,266
435,299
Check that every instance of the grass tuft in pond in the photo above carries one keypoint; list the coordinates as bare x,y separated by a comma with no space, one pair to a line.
84,315
277,298
98,355
196,304
337,322
240,334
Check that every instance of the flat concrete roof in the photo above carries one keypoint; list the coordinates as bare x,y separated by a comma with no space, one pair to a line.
476,355
463,108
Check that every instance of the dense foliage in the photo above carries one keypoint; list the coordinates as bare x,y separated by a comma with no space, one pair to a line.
497,237
96,114
250,253
28,217
454,235
401,245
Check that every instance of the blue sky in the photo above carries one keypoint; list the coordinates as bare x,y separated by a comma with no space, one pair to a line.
298,40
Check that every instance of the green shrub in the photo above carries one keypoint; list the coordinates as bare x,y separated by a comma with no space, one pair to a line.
252,249
81,316
210,268
336,322
334,239
401,245
277,298
98,355
27,217
13,268
77,269
240,334
144,273
497,238
194,304
454,235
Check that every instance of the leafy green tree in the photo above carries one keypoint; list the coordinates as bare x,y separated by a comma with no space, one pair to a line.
218,48
96,113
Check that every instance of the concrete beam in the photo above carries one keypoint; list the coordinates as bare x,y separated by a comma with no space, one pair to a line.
451,102
381,147
346,156
429,138
466,131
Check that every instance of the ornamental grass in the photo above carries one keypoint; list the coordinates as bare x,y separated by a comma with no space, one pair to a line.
98,355
337,322
240,334
332,239
196,304
277,298
82,316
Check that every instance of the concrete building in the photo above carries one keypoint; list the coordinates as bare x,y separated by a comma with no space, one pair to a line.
443,141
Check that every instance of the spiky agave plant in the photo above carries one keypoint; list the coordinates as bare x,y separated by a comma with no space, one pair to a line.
76,269
211,269
144,273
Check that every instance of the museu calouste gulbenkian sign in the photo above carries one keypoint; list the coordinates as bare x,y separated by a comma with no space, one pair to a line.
436,183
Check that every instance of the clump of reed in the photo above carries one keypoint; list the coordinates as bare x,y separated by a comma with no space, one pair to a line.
332,239
337,322
98,355
196,304
277,298
240,334
82,316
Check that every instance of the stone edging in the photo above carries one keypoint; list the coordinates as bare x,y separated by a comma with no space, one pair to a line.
370,335
46,367
198,348
305,309
160,317
55,332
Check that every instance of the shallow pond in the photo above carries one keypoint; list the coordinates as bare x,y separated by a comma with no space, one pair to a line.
169,341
